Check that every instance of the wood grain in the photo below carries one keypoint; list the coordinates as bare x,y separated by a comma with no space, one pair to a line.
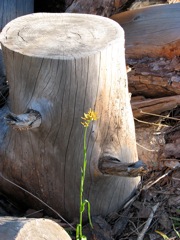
61,65
152,31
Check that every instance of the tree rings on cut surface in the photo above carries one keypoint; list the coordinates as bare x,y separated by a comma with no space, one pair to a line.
60,35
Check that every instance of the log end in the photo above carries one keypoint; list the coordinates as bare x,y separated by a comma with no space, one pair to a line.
23,228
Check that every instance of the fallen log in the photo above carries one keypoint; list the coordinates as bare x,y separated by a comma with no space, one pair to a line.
152,56
154,77
151,31
98,7
12,228
146,108
152,49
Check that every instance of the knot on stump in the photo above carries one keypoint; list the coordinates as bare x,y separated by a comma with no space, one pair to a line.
113,166
28,120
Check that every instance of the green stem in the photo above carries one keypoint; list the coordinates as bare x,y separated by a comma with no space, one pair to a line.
83,172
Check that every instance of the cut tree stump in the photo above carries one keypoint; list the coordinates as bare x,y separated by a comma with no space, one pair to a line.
59,66
12,228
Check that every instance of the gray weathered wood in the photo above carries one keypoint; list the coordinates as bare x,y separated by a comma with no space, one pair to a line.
12,228
61,65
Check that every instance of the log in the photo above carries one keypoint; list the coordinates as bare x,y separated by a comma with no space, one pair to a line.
145,108
151,31
12,228
98,7
154,77
60,65
152,52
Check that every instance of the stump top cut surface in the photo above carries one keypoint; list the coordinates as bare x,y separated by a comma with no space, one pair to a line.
60,35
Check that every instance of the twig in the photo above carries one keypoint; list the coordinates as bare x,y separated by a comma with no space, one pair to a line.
157,115
146,226
149,150
147,186
155,124
38,200
150,184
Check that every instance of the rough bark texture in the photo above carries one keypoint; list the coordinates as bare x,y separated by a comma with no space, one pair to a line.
99,7
154,77
24,228
61,74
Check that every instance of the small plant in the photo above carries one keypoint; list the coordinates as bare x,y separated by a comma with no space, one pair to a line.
87,119
165,237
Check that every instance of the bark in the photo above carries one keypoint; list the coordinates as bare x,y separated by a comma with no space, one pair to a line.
154,77
99,7
60,75
24,228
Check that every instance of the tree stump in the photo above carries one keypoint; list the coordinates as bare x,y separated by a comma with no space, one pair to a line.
24,228
59,66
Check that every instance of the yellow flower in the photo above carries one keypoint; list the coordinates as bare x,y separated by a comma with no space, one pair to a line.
88,117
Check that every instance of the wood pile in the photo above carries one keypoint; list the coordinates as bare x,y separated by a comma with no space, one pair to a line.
153,65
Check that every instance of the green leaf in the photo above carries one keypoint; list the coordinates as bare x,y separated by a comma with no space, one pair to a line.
175,219
89,212
177,233
165,237
84,237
